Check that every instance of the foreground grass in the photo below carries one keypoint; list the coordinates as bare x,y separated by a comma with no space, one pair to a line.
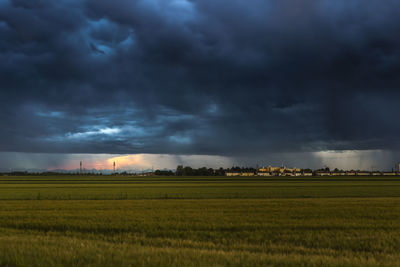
201,221
241,232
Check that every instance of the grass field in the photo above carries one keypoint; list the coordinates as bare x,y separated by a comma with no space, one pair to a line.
199,221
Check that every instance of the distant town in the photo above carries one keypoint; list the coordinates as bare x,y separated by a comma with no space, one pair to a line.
284,171
204,171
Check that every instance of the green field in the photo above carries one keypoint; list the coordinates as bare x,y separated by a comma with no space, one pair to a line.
199,221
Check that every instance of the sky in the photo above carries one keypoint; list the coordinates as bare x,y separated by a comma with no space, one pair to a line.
157,83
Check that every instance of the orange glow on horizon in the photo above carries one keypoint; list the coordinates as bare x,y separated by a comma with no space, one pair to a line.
132,161
129,162
106,162
86,165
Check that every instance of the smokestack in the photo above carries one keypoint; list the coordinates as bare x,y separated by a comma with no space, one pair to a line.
114,166
80,167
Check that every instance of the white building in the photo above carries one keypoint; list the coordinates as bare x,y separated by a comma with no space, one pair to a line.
232,173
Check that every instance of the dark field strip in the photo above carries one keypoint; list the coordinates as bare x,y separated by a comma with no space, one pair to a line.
178,181
110,181
157,179
214,187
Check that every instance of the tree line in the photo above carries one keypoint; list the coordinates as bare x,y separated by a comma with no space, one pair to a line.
204,171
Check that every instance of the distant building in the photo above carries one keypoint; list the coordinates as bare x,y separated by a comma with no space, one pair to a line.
264,174
281,171
338,173
247,174
232,173
389,173
269,169
236,173
322,173
292,169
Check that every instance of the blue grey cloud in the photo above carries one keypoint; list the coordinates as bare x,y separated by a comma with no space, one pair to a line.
227,78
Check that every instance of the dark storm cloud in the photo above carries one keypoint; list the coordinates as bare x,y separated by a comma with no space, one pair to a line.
199,77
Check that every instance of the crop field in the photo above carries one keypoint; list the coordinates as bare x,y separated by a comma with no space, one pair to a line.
199,221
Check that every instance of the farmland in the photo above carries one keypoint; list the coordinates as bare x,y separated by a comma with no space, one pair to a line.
199,221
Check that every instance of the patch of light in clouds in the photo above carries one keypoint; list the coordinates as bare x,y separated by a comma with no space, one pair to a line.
51,114
103,131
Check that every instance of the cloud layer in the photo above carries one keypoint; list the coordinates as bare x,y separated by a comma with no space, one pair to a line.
232,78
